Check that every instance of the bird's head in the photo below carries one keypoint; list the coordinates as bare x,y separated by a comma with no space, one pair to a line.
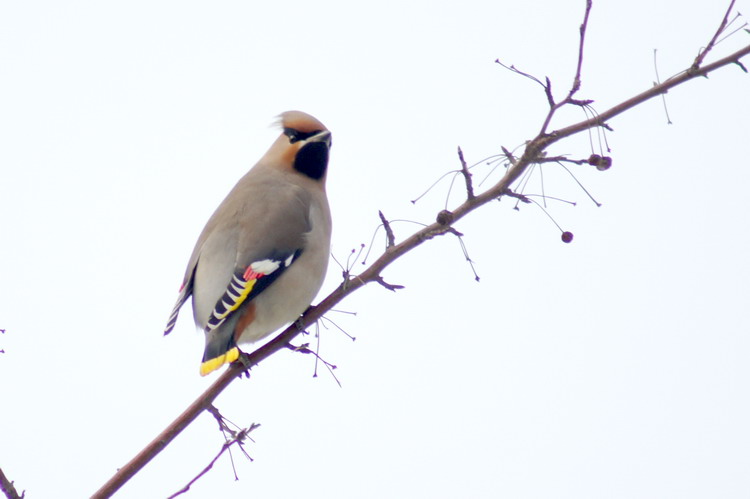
302,146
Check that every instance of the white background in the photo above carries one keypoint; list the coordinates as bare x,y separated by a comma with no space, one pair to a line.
615,366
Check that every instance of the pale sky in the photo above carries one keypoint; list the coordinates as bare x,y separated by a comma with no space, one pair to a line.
615,366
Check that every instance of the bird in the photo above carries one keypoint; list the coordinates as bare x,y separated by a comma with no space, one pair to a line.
262,257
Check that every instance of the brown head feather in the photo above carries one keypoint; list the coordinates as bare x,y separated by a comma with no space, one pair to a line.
300,121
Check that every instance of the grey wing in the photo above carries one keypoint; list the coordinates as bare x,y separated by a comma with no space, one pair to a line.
260,220
260,241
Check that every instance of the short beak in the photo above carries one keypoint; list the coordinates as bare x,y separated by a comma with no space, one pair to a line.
324,136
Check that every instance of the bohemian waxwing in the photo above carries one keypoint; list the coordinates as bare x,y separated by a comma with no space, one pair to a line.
263,254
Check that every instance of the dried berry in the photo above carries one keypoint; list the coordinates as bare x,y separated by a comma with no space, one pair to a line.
594,159
604,163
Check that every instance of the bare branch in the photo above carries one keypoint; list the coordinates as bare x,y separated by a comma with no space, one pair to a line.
238,438
576,79
533,153
7,486
739,28
652,92
703,53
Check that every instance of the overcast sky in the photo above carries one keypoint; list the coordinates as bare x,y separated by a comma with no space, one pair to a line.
615,366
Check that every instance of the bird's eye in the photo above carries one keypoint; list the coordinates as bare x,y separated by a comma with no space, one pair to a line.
292,134
296,135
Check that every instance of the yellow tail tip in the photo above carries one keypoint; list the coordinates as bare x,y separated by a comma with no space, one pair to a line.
211,365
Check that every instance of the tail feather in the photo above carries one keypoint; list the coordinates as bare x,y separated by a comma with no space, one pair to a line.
221,346
185,292
210,365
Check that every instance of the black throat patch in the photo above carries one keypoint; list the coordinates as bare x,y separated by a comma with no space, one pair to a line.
312,160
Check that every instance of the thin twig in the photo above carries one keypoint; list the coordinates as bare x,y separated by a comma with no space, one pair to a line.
388,230
237,439
548,92
508,192
703,53
388,286
509,155
466,174
513,69
334,324
663,96
597,203
414,201
225,429
220,420
553,198
546,213
736,16
305,349
569,100
679,79
562,159
582,31
465,251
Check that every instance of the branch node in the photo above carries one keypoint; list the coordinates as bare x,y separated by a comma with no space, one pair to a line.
445,217
704,52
